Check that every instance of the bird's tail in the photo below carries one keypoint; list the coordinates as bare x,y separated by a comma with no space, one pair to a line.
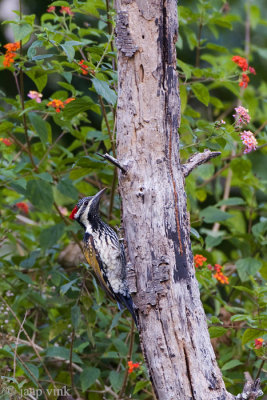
128,303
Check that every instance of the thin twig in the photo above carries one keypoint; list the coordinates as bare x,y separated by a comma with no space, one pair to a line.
113,161
259,370
112,194
16,344
107,125
29,339
21,93
129,356
71,367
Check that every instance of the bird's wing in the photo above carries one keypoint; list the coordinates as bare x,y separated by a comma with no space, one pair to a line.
92,257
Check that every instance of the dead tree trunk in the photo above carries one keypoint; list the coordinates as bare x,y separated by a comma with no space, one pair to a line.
173,327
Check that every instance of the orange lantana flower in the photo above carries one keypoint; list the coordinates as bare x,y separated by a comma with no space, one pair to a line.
59,104
10,55
199,260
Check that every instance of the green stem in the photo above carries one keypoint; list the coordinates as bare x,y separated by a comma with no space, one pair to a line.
129,356
21,94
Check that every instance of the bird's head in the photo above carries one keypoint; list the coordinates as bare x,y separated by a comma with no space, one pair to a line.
87,209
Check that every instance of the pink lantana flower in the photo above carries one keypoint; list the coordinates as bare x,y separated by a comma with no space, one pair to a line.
35,96
241,116
249,141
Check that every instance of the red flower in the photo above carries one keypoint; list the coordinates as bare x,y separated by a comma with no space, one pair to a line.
132,366
252,70
83,67
258,343
241,62
223,279
244,82
7,142
51,9
66,10
199,260
23,207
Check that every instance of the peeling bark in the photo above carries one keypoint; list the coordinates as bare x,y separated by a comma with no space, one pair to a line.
161,276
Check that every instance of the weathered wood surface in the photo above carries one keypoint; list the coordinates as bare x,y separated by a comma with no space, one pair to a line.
173,327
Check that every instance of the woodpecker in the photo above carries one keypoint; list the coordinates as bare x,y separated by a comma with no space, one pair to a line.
103,251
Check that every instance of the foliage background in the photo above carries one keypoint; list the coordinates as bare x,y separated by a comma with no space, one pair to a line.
57,327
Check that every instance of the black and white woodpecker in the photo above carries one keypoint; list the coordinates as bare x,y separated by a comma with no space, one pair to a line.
103,251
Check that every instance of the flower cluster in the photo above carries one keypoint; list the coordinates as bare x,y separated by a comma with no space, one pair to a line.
84,67
223,279
241,116
23,207
59,104
35,96
63,10
249,141
7,142
258,343
199,260
10,53
132,366
243,64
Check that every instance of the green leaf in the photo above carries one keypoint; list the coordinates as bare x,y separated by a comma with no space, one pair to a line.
120,346
212,214
69,50
140,385
40,126
63,353
50,236
60,3
30,371
32,49
66,187
38,76
5,126
233,201
247,267
79,105
213,241
194,233
217,331
251,334
88,377
116,380
201,92
75,316
102,88
231,364
183,97
69,286
34,370
21,30
30,261
186,68
40,194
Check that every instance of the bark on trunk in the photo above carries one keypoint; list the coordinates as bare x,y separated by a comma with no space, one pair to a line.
173,327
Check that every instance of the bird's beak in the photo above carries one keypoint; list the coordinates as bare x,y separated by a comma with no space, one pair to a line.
98,196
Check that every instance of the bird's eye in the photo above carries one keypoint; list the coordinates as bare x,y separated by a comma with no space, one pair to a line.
86,203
